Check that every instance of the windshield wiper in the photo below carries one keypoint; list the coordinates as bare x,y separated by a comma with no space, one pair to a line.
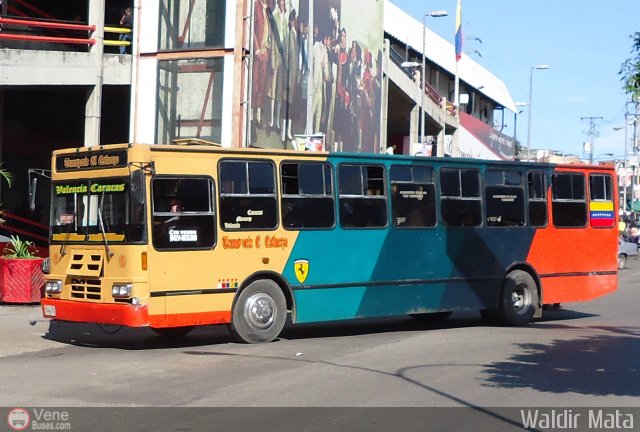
64,242
104,234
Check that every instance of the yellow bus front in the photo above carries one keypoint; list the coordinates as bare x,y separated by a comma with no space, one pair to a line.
98,245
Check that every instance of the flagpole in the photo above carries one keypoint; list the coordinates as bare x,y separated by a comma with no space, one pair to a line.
458,44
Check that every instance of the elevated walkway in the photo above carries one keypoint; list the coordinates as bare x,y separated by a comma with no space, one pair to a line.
39,67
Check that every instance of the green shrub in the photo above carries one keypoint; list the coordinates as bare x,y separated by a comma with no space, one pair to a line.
19,248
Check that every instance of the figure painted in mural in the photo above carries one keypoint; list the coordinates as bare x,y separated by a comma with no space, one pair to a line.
353,102
365,118
260,57
127,22
321,79
275,90
341,112
292,53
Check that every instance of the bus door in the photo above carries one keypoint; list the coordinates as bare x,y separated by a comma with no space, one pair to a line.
183,235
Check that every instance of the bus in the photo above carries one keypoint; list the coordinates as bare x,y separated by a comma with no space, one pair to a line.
174,236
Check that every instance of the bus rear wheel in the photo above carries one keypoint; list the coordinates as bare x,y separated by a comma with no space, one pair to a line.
259,313
518,299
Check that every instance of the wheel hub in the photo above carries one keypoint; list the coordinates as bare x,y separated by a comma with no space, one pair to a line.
520,300
259,310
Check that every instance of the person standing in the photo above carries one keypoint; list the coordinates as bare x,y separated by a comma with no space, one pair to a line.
127,22
292,66
279,28
261,57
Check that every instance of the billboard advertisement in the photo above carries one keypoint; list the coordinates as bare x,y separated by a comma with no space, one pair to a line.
317,70
479,140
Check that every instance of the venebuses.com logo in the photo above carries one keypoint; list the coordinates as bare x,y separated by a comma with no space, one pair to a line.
18,419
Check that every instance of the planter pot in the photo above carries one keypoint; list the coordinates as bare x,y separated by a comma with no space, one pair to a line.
21,280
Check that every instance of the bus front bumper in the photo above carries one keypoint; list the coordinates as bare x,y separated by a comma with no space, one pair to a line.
99,313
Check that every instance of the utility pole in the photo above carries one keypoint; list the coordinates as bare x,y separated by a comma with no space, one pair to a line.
592,133
634,148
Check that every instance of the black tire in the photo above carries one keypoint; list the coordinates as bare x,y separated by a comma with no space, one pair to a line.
173,332
489,315
434,317
518,299
259,313
622,261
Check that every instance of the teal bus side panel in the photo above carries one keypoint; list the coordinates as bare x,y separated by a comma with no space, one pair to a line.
372,273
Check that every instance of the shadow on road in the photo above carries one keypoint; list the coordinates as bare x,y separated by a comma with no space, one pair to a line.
602,364
127,338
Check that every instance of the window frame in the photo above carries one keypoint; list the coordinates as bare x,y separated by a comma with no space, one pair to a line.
584,200
212,210
363,196
436,206
545,199
611,199
461,197
275,194
331,194
521,186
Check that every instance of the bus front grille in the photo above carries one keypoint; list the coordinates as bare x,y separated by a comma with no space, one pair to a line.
87,289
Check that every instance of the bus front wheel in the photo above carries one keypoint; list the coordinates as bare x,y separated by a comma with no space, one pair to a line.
518,299
259,313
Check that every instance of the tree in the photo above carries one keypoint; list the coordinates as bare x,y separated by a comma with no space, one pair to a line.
630,70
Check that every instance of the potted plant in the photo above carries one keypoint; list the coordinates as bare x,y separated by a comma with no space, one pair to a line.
21,279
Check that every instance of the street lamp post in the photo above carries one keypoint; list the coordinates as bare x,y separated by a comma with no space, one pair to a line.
537,67
515,121
434,14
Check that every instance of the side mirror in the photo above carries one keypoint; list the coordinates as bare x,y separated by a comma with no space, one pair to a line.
33,187
137,187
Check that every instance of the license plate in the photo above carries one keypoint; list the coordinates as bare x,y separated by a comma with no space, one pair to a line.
50,310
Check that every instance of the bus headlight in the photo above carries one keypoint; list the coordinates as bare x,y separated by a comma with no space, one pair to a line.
53,287
122,290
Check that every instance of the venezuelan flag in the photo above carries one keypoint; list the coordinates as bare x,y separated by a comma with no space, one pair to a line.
601,214
459,30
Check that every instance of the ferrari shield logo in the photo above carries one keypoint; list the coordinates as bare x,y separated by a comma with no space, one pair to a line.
301,268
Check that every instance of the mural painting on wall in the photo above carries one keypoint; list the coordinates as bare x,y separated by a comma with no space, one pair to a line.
317,70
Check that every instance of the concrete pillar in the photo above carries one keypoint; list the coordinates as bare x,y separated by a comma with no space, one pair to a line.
440,143
93,108
414,126
384,114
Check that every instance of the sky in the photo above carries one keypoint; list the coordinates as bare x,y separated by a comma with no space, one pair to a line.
584,42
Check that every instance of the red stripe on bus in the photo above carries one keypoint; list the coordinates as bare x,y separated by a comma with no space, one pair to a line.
190,319
577,288
101,313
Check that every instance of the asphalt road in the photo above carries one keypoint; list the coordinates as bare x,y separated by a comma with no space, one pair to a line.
582,355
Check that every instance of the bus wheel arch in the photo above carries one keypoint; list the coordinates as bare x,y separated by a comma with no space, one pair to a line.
259,310
519,299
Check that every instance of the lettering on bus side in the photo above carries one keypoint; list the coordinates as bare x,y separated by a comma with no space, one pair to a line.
257,242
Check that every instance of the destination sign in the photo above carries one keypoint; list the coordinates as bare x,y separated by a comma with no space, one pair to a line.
89,161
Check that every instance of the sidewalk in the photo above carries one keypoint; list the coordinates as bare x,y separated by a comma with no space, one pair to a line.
22,328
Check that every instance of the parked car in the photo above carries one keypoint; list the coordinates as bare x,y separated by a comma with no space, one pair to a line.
626,250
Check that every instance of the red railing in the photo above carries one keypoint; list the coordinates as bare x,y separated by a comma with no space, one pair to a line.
48,25
25,228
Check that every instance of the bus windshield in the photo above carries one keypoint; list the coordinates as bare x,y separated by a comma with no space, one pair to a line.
82,209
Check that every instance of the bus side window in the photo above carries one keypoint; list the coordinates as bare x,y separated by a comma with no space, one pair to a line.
460,197
363,200
601,207
537,192
307,196
569,200
413,196
183,216
247,195
504,198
